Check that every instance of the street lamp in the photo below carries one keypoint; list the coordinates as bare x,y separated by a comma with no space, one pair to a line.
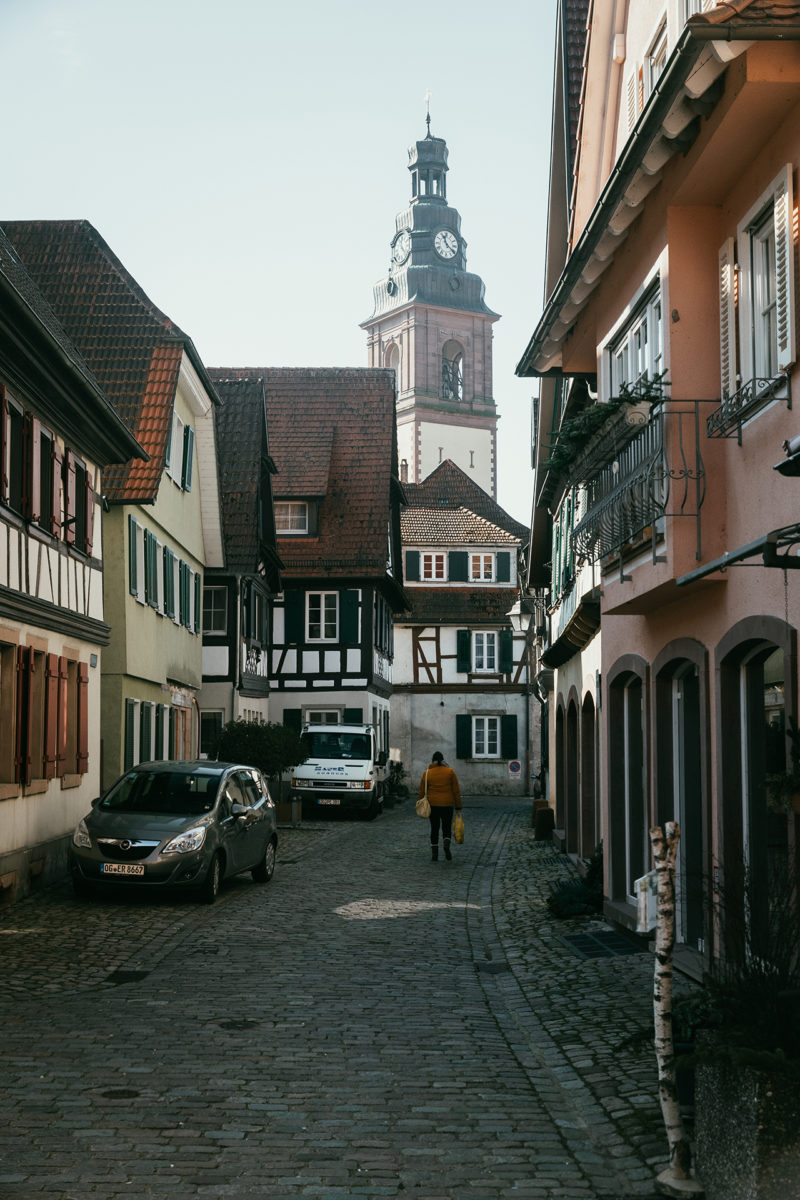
521,614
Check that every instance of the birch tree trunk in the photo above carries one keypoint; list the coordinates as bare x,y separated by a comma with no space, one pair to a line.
664,844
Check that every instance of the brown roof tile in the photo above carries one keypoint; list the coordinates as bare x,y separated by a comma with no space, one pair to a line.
343,418
447,605
451,527
448,487
133,349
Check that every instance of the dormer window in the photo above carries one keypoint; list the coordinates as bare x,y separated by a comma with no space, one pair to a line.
291,518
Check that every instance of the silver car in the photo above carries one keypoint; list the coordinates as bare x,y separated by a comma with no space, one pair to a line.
178,825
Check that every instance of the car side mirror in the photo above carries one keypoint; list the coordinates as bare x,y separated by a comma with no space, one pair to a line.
240,811
383,758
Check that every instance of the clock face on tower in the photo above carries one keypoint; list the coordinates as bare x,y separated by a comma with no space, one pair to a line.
402,246
445,243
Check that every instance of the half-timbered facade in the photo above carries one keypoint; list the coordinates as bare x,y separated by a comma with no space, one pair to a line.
337,502
237,597
162,527
461,679
57,433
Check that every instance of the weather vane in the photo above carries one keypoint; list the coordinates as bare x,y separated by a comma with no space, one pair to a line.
428,111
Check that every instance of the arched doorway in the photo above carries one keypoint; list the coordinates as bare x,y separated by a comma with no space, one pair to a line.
588,839
572,760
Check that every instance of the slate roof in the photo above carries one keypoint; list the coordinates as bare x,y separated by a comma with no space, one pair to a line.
133,349
574,15
114,441
446,490
243,457
339,420
458,606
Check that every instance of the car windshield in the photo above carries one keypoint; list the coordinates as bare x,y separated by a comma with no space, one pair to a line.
338,745
168,792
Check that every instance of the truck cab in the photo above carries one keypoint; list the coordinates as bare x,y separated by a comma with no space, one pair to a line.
344,770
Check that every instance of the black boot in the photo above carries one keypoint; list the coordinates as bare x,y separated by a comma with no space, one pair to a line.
434,853
447,853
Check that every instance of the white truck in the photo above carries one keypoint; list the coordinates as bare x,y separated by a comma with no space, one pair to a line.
344,770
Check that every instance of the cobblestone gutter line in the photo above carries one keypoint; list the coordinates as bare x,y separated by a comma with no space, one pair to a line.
550,1007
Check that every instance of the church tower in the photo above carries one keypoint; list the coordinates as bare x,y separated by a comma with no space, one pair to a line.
431,326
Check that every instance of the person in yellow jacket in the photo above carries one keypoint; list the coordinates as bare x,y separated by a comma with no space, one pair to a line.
440,783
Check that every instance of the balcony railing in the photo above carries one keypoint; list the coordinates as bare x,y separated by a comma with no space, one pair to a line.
734,410
657,473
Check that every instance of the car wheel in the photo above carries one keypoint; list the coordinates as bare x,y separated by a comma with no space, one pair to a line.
263,872
211,884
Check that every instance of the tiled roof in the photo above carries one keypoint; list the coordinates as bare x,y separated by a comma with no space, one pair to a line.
764,12
574,17
133,349
120,441
447,605
241,443
448,487
451,527
351,411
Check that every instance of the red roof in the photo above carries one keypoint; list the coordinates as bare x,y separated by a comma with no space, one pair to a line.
332,427
133,349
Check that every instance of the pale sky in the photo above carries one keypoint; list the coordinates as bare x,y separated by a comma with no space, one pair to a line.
245,160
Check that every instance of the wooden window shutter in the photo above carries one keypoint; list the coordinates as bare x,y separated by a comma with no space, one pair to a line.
196,624
57,460
458,571
293,610
158,751
412,566
169,582
727,317
173,727
353,716
348,616
145,722
89,513
3,441
508,735
506,652
83,718
130,718
293,719
784,268
70,514
463,735
22,762
32,487
503,566
188,458
631,102
133,584
51,722
63,706
463,651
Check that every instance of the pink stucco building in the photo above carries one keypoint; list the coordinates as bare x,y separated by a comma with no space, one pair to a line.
664,539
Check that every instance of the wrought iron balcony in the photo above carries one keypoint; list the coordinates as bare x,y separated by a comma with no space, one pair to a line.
658,472
734,410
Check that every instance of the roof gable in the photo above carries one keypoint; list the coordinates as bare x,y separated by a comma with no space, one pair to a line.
448,487
133,349
337,426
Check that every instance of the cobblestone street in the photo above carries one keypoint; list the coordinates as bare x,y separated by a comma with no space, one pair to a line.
369,1024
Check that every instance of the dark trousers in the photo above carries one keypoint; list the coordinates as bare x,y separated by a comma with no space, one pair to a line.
440,816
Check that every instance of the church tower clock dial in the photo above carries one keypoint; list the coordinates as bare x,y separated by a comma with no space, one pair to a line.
431,325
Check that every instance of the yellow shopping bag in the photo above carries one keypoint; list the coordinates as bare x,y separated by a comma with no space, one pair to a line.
458,827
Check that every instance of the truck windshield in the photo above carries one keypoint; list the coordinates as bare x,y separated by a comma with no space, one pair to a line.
338,745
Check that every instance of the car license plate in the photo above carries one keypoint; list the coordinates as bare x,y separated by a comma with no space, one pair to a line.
328,800
121,869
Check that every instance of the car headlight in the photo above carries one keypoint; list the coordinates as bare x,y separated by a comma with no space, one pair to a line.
81,836
186,842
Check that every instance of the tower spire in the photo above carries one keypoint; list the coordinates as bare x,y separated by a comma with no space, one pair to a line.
428,111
